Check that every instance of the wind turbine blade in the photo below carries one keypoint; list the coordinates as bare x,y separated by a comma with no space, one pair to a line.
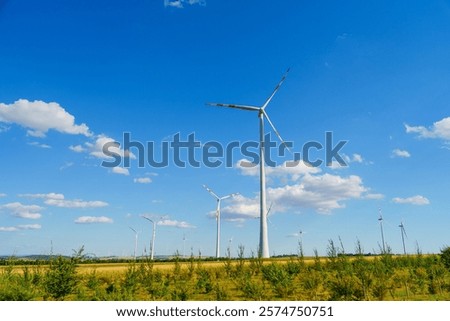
404,231
276,131
275,90
228,196
270,208
211,192
132,229
244,107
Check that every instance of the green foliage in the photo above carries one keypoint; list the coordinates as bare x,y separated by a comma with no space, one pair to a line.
61,277
445,256
339,276
279,278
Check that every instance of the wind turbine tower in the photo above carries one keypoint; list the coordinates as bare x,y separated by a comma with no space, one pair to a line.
380,219
219,200
152,243
262,114
402,230
135,241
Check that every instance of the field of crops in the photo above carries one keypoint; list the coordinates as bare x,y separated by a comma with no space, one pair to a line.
336,277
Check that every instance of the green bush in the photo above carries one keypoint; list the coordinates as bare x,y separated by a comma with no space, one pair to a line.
445,256
61,277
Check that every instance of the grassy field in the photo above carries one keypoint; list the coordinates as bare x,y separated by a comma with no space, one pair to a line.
336,277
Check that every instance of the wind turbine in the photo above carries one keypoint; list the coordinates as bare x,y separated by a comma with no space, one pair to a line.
184,246
135,241
402,230
219,200
230,241
380,219
152,244
300,242
262,114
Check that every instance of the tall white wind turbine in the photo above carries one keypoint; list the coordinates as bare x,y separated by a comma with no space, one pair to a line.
152,244
219,200
262,114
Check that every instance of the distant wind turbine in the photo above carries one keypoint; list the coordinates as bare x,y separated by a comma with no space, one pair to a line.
135,241
230,241
184,245
262,114
402,230
152,243
219,200
380,219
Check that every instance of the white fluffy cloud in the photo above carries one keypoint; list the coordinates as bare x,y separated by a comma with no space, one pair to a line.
93,219
303,187
121,171
23,211
39,117
96,149
143,180
321,193
414,200
175,223
285,170
77,149
58,200
440,129
2,195
400,153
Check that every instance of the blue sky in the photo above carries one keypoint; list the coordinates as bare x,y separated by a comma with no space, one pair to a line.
78,74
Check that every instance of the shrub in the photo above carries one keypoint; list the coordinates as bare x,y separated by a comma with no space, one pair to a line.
61,278
445,256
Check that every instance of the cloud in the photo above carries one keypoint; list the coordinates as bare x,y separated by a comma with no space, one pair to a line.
3,195
58,200
4,128
75,203
174,223
285,170
373,196
121,171
66,165
143,180
39,117
355,158
413,200
321,193
8,229
29,227
93,219
36,144
180,3
400,153
56,196
440,130
96,148
20,228
23,211
77,149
